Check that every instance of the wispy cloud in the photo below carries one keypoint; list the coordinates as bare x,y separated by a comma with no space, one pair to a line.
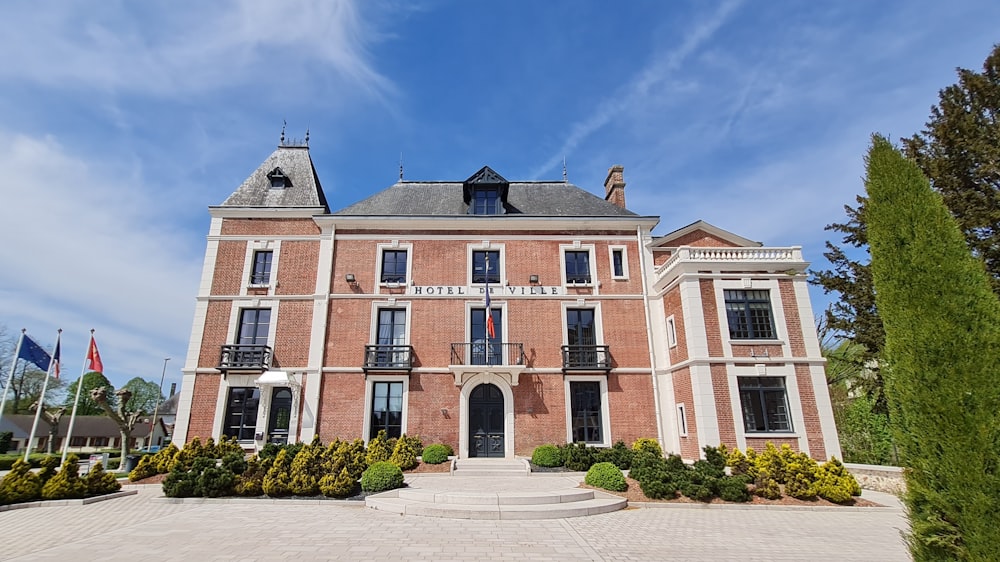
640,87
105,47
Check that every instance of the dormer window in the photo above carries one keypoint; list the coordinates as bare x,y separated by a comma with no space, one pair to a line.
278,179
485,201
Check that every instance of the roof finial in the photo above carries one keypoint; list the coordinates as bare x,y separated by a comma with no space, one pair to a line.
400,166
284,124
565,176
307,136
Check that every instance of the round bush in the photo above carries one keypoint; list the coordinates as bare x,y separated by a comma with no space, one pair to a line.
734,489
435,454
606,476
547,455
381,476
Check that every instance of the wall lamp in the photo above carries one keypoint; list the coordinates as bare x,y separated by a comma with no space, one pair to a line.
351,280
444,411
533,279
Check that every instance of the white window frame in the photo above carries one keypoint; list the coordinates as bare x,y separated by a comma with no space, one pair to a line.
777,312
682,425
671,331
486,246
395,245
274,246
605,407
237,308
611,262
598,321
577,247
370,381
390,303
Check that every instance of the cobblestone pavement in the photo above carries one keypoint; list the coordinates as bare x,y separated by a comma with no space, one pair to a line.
145,527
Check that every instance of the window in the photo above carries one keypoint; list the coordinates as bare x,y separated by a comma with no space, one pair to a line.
98,441
241,412
577,266
618,270
671,332
280,415
765,406
581,339
261,274
481,273
393,266
278,179
486,350
749,314
585,401
486,201
387,409
682,423
77,441
254,324
391,336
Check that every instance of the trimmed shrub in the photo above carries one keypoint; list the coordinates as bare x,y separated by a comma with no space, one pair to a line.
215,482
164,458
766,487
180,484
306,470
379,449
742,464
100,482
835,483
340,485
644,444
235,463
381,476
20,484
716,456
251,482
734,489
579,457
547,455
66,484
607,476
404,453
49,465
435,454
226,446
278,479
147,467
800,477
773,461
618,454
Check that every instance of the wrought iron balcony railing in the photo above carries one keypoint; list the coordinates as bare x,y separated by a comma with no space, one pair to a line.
486,353
382,357
245,357
586,358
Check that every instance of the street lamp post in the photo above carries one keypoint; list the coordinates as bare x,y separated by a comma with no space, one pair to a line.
156,409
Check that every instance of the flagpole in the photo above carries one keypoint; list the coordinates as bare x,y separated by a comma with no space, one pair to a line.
10,372
41,397
76,401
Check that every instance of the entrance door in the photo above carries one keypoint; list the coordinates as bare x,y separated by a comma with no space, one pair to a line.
486,423
280,415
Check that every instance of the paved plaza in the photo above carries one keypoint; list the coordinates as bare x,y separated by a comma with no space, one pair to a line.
148,527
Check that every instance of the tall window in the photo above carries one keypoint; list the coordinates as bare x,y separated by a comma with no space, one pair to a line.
387,408
241,412
485,201
261,274
580,327
585,401
394,266
618,263
254,324
486,350
480,272
391,332
765,404
749,314
578,266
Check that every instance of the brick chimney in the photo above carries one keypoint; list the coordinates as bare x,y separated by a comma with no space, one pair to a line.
614,186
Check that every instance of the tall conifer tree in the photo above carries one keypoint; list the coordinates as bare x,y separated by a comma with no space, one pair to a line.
941,361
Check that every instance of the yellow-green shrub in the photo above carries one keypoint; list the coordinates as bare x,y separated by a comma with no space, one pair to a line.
379,449
338,485
644,444
20,484
66,484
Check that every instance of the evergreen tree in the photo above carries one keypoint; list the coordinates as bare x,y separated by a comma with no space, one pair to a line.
959,150
941,361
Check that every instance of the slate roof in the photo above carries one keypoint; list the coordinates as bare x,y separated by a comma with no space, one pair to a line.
297,166
541,199
85,426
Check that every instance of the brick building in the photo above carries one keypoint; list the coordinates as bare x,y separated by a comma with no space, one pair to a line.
494,316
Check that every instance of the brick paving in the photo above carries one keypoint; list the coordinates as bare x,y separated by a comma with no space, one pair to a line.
146,527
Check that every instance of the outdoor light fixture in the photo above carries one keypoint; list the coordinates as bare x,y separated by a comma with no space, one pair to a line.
350,279
444,411
533,279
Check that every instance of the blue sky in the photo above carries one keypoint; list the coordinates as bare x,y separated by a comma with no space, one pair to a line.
121,122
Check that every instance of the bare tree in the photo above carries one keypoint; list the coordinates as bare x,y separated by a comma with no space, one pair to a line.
51,416
125,420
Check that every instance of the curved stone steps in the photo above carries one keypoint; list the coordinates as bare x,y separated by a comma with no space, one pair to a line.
554,504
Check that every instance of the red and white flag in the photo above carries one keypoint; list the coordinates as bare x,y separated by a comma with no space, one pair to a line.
94,357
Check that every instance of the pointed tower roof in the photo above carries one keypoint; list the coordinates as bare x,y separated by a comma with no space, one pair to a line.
286,179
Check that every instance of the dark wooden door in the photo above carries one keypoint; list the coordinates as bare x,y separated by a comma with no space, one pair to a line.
486,436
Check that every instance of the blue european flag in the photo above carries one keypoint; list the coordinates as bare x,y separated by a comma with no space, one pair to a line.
33,353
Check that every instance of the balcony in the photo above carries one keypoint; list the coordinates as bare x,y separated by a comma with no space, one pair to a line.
691,259
586,358
384,357
485,353
243,357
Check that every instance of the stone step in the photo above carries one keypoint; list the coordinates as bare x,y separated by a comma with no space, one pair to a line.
556,504
491,467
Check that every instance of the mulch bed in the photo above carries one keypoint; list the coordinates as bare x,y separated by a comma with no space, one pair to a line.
634,494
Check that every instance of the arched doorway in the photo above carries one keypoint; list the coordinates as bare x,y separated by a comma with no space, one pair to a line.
486,422
280,415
